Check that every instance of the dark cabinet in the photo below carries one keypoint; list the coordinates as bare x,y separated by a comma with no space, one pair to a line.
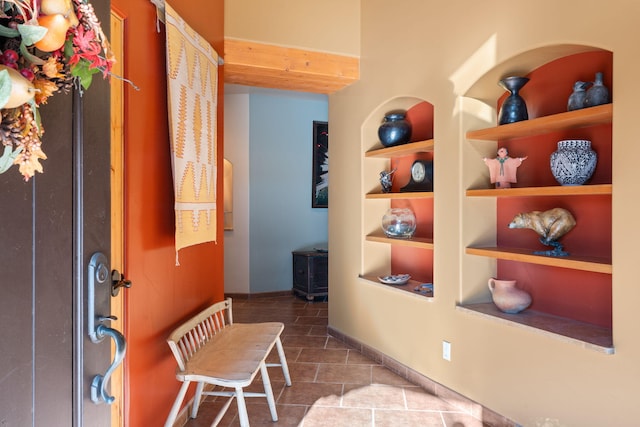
311,273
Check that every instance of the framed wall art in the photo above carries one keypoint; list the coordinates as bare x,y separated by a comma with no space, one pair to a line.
320,170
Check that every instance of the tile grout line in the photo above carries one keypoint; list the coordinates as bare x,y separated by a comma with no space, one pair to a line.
444,422
404,398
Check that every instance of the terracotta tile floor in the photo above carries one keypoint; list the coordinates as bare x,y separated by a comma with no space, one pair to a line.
333,385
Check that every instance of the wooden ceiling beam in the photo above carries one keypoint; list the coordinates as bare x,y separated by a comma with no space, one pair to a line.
263,65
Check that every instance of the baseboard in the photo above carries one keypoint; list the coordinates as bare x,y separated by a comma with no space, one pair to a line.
486,415
258,295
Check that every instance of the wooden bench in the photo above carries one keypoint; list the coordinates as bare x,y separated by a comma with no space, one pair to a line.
211,349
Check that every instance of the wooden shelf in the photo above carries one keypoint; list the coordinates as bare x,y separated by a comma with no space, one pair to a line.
572,119
408,287
569,190
593,264
414,242
584,334
402,150
407,195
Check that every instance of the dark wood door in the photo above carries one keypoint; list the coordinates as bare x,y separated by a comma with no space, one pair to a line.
49,228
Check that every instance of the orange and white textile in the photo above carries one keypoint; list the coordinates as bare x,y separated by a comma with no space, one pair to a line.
192,79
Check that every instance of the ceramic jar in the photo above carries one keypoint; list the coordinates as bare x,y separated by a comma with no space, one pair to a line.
395,129
573,162
399,223
507,297
597,94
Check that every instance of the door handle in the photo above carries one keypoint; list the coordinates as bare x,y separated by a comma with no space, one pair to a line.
99,383
99,281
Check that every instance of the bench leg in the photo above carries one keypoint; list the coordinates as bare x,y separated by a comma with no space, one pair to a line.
176,405
242,408
283,362
268,391
196,400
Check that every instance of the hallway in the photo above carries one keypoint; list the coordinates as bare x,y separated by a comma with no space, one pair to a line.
333,385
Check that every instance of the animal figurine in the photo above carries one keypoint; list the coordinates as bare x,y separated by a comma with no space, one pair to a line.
576,99
550,225
386,179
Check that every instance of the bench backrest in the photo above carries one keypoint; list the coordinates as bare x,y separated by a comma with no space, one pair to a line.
192,335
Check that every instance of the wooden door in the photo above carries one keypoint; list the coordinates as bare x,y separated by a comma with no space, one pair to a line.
49,229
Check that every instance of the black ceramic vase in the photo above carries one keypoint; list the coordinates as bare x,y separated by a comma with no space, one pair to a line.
395,129
597,94
513,108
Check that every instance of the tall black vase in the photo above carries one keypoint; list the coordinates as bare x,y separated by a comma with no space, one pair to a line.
513,108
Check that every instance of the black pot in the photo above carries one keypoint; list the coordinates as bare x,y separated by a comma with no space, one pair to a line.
395,129
514,109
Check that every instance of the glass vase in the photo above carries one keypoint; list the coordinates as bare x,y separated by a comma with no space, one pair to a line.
399,223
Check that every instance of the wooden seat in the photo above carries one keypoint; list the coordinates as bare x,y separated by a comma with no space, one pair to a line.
211,349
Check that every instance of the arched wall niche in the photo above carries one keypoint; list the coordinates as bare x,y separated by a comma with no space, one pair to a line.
564,292
486,88
383,259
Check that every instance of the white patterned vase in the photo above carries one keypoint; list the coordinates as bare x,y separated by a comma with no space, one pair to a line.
573,162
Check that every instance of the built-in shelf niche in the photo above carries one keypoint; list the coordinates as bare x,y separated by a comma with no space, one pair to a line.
383,255
513,250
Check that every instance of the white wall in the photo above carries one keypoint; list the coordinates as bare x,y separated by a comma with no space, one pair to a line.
236,150
268,138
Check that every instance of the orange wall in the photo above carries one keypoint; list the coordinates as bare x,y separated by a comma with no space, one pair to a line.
163,294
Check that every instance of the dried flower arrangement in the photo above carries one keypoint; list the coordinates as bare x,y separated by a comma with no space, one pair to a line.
46,46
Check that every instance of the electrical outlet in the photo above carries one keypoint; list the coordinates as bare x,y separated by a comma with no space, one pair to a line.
446,350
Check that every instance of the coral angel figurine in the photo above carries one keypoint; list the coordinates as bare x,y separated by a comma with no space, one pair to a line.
502,169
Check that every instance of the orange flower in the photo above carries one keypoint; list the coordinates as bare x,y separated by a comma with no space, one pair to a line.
45,88
52,68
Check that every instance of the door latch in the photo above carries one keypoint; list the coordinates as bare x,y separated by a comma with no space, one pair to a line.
118,281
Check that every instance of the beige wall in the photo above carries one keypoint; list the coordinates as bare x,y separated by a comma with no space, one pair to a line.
329,26
417,50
